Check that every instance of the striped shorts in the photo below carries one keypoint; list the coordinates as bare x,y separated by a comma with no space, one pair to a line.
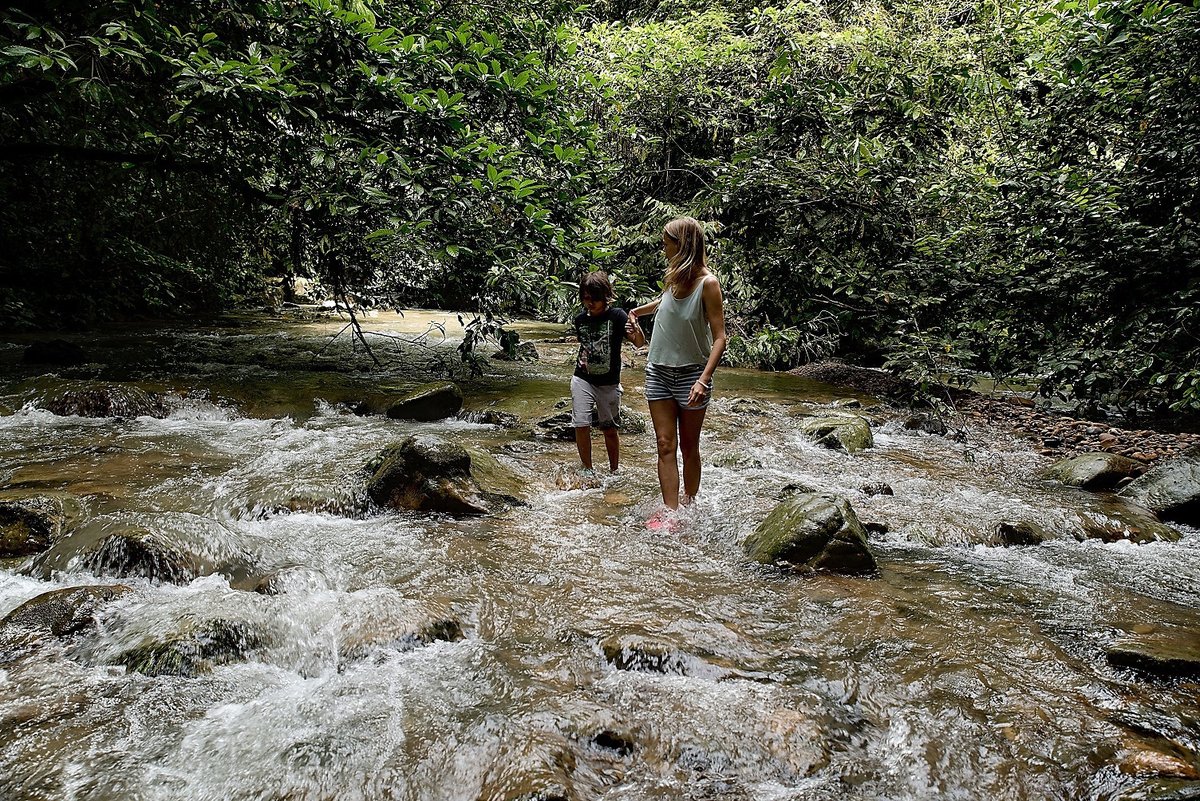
664,382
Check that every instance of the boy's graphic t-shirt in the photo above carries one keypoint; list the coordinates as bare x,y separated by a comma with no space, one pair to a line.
600,339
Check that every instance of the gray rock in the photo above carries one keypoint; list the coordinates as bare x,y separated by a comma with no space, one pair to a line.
491,417
558,426
425,473
1171,490
877,488
520,352
54,351
1095,471
428,402
849,433
813,532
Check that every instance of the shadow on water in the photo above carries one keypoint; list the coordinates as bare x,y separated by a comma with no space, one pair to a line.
559,649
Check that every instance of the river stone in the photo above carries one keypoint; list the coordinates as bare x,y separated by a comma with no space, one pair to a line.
1094,471
112,400
490,417
496,481
194,649
520,352
359,644
30,525
428,402
1161,652
1171,490
63,612
1131,523
848,433
425,473
1021,532
926,424
643,654
814,532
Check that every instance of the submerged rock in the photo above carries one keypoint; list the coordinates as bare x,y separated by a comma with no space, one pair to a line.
58,613
1121,522
1095,471
116,547
31,525
112,400
1171,490
194,649
643,654
1162,652
490,417
425,473
813,532
849,433
428,402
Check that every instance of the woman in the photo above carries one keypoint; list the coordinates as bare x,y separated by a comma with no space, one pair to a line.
687,343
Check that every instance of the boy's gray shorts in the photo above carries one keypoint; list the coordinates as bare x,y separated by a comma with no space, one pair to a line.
604,400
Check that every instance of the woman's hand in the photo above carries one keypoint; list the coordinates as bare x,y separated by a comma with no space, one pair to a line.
699,393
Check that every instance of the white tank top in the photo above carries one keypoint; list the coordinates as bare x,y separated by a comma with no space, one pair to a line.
681,335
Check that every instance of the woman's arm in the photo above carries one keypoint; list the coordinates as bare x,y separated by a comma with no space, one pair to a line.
714,312
633,329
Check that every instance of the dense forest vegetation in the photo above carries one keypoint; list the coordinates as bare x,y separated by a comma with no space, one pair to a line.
946,187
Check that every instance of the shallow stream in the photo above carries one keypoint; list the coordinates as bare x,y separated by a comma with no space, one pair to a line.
964,670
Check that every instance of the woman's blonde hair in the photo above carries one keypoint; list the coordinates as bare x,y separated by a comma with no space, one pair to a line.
689,260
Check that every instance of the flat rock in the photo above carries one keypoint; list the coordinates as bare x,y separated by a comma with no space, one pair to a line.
428,402
1163,652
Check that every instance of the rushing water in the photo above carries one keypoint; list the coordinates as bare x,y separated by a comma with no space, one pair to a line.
963,671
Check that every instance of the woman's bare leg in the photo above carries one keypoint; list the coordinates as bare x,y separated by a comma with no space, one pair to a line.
690,423
665,416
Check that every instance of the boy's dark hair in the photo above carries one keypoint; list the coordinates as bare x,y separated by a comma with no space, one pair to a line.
595,285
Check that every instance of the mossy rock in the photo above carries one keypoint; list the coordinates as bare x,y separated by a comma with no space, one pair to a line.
814,532
428,402
425,473
496,481
1020,533
1095,471
849,433
194,649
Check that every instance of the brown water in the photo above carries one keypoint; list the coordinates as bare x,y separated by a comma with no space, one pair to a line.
962,671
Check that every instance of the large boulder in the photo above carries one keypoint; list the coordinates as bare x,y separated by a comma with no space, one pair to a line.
849,433
1095,471
30,525
428,402
813,531
1171,490
426,473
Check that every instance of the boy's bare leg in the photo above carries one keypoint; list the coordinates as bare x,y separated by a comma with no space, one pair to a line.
665,416
690,423
612,444
583,443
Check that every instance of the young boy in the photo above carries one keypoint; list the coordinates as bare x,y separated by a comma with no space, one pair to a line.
596,384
